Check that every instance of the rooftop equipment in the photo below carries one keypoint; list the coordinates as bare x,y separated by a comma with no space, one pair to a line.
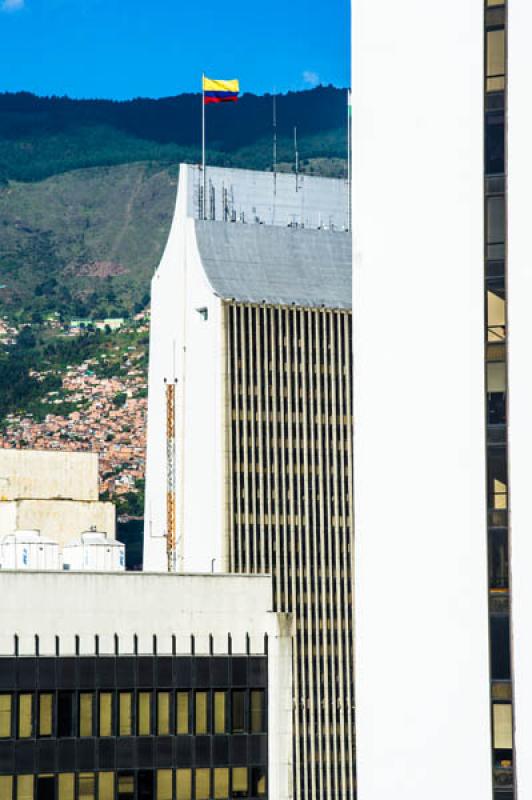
94,552
28,550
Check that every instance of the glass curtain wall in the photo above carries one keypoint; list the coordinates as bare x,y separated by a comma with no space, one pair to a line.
496,398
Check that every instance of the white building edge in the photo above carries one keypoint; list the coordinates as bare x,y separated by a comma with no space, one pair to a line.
426,721
421,595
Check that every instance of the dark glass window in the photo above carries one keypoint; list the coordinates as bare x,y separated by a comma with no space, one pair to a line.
45,787
118,712
258,781
498,558
496,408
238,712
497,478
500,647
494,143
65,725
496,219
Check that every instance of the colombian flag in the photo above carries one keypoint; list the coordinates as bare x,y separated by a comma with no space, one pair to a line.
220,91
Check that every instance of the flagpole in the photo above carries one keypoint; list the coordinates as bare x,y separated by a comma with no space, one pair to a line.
274,143
297,158
203,146
349,159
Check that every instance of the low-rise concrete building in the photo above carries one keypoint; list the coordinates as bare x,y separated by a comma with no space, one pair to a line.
55,493
45,475
145,686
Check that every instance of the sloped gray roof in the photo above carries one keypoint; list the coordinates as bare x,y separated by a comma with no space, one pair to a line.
260,263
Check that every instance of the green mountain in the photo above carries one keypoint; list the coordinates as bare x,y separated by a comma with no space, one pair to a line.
87,187
84,242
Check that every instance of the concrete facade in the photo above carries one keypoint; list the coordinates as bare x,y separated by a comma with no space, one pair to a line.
126,613
251,327
205,265
251,197
45,475
55,493
60,520
421,595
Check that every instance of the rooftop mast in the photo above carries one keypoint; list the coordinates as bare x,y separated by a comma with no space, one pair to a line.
274,143
297,158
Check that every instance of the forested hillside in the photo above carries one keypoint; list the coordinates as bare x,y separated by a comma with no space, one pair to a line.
87,190
87,186
40,137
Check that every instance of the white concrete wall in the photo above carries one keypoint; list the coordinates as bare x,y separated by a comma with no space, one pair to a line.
280,686
165,357
422,677
520,376
41,475
8,517
60,520
203,428
185,346
90,604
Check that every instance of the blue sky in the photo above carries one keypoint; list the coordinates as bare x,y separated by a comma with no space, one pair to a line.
154,48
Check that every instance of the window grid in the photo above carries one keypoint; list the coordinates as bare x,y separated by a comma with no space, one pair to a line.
498,490
190,783
202,711
289,510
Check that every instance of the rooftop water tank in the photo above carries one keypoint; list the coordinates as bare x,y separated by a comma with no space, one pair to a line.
28,550
94,552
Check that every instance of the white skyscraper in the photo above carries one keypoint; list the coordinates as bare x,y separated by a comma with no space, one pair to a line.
443,398
249,463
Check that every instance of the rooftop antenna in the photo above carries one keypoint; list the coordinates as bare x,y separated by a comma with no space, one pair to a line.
274,142
203,159
349,111
297,158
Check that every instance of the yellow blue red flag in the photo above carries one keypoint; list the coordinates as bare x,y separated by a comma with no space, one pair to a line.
220,91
